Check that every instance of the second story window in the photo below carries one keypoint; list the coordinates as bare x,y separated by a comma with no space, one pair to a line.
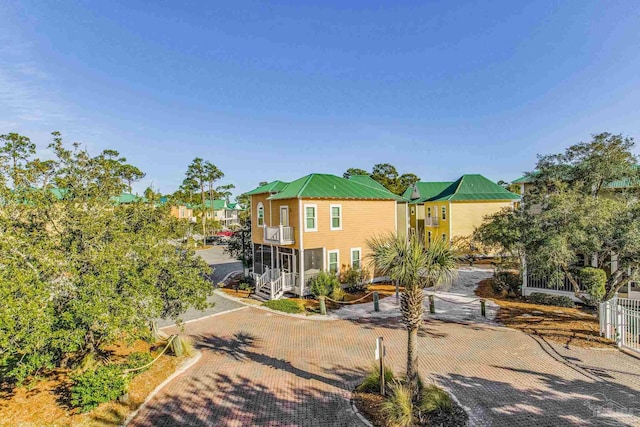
182,212
444,237
336,217
260,215
444,212
310,218
428,212
429,237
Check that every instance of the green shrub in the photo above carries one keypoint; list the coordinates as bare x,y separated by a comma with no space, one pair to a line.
433,398
245,286
323,284
545,299
103,384
355,279
137,360
398,408
371,383
337,294
594,280
506,283
285,305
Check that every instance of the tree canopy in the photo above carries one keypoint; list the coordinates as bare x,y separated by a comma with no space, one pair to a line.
583,204
79,270
387,175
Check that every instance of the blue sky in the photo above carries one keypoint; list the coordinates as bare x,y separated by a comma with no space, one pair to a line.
276,90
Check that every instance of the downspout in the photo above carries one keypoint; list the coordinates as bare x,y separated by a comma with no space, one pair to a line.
301,245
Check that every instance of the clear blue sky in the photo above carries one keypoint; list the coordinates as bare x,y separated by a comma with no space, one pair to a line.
276,90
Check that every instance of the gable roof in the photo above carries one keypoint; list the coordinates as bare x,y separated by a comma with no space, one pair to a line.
368,181
325,186
270,187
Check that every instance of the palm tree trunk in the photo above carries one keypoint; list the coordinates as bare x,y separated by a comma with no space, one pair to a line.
412,309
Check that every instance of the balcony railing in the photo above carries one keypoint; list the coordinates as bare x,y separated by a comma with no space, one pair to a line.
279,235
431,221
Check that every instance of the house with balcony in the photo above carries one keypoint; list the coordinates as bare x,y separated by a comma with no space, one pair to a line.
446,210
316,223
226,213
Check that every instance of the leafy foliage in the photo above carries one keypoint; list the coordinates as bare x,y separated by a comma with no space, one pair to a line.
546,299
239,245
388,176
506,283
355,279
285,305
138,359
323,284
595,281
103,384
80,271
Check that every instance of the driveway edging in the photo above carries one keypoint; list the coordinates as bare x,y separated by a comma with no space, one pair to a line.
181,369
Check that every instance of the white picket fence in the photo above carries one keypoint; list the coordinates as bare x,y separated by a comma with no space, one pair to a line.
620,321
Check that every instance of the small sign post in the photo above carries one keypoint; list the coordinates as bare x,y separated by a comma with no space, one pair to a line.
380,353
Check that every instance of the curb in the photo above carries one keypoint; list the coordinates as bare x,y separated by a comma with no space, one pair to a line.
229,275
182,368
204,317
358,414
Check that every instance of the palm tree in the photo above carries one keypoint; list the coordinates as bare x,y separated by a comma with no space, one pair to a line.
415,267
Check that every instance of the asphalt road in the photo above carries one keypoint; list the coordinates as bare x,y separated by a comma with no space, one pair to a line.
222,265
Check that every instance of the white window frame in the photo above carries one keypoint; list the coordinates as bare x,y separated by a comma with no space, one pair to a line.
359,257
258,207
331,227
288,218
315,217
182,212
337,252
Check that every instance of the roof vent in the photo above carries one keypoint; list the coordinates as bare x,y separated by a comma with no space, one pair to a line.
334,187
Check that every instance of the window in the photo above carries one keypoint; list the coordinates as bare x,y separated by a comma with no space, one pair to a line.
355,258
336,217
182,212
444,212
333,257
310,218
444,237
428,237
260,215
429,212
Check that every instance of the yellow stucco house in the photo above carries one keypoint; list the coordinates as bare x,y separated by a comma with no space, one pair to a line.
446,210
319,222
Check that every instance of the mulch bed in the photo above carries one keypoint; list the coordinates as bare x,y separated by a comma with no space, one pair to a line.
46,402
368,405
569,326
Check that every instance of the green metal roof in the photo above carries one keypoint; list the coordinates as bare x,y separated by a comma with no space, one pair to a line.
325,186
425,190
271,187
474,187
524,179
128,198
368,181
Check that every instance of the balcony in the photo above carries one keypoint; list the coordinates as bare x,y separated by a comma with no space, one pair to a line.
279,235
431,221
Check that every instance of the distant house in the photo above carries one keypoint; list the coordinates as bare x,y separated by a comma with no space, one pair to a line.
533,284
446,210
319,222
180,210
224,212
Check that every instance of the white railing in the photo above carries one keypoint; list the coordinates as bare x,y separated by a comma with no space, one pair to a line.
544,283
280,235
289,281
275,282
431,221
620,321
276,288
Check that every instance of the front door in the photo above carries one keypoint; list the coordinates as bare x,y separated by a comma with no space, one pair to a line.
284,216
286,262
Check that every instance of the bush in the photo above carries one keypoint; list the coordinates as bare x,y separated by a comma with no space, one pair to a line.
506,283
355,279
104,384
285,305
545,299
433,398
323,284
398,408
337,294
137,360
371,383
594,280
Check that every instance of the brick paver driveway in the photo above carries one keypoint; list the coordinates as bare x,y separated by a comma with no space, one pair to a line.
265,369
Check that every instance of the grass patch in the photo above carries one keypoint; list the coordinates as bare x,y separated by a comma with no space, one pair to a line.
371,383
285,305
398,408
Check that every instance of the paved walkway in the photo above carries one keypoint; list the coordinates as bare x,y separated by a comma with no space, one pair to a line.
264,369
